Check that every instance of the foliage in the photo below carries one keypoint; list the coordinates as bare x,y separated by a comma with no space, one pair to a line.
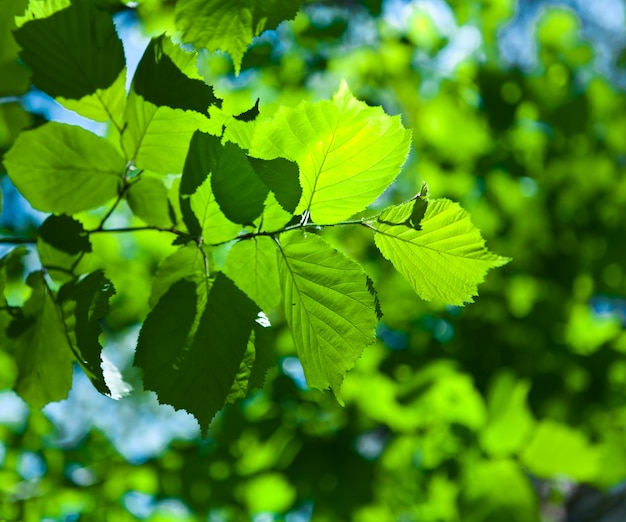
206,221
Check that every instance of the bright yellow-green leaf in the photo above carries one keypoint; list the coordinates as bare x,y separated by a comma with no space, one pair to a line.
328,306
510,421
443,256
348,153
557,449
230,26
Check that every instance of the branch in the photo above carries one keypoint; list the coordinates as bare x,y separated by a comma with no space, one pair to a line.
18,240
301,225
172,230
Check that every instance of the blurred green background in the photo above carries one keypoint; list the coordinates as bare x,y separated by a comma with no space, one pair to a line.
511,409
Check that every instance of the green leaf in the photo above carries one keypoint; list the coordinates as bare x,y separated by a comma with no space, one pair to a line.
510,421
66,59
445,260
200,210
157,138
196,170
238,189
188,262
14,78
230,26
83,304
348,153
103,105
557,449
215,226
42,352
162,82
195,372
281,177
147,198
64,169
328,306
65,234
256,362
253,266
251,114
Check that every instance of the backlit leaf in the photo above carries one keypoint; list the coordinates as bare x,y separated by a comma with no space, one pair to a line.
157,137
188,262
328,306
252,265
556,449
42,352
148,200
445,260
230,26
348,153
64,169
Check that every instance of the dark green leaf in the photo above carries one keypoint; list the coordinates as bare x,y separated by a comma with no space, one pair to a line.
72,52
257,360
83,304
195,371
238,190
251,114
281,176
66,234
160,81
198,166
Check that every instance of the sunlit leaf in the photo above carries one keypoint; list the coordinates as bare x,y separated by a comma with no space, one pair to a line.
510,421
328,307
148,200
557,449
188,262
42,352
64,169
253,266
348,153
445,260
230,26
157,137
